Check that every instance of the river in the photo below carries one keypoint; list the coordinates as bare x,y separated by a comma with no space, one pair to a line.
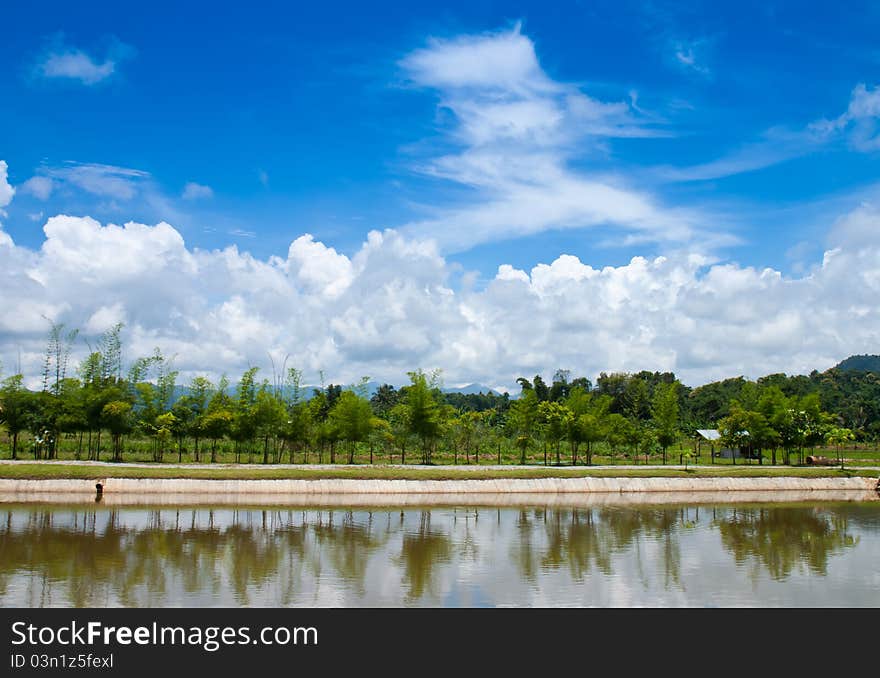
551,554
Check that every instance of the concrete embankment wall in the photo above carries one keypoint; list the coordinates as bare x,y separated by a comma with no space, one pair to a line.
188,486
569,500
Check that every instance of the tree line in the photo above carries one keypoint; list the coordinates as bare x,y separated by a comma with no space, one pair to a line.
101,407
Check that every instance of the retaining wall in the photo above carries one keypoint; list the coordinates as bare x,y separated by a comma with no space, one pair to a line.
189,486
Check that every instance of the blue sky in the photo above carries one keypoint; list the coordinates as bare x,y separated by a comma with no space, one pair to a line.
506,134
314,98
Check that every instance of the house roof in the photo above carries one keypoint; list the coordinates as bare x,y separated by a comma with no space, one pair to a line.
709,433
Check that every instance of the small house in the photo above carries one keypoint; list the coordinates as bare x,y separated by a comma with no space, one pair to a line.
713,437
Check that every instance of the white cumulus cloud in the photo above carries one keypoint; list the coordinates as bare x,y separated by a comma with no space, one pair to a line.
318,268
6,189
6,193
393,306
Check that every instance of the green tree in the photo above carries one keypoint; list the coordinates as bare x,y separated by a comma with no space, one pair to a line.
184,424
637,402
481,431
244,426
384,399
586,408
424,411
96,397
164,433
352,417
523,419
734,429
541,388
839,436
785,418
618,431
464,430
762,435
560,388
116,417
647,442
592,425
191,407
72,418
664,410
319,431
268,416
812,420
380,435
299,429
216,424
773,407
57,357
556,418
399,419
16,407
578,403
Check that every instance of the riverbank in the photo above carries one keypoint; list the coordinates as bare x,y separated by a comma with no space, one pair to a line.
98,471
133,480
569,500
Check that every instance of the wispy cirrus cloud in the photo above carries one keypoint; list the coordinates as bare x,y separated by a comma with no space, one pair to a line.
857,127
40,187
516,133
62,61
106,181
77,65
859,122
109,190
690,56
776,145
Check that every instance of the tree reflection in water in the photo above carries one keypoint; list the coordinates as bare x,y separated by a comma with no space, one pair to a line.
584,539
421,551
782,539
100,556
349,544
91,560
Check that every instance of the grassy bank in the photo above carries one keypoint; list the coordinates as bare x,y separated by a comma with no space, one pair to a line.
47,470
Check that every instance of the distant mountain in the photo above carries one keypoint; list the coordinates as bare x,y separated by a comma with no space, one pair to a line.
472,389
307,390
371,388
860,363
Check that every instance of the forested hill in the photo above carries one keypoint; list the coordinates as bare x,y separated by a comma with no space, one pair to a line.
860,363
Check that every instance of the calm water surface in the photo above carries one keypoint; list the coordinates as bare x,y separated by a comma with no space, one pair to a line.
684,555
